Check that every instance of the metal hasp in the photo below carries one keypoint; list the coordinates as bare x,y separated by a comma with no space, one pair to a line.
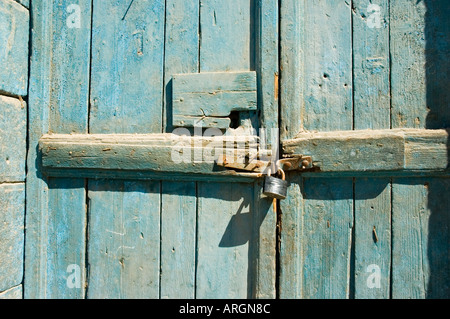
295,163
290,163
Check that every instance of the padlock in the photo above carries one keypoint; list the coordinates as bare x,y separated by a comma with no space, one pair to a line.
275,187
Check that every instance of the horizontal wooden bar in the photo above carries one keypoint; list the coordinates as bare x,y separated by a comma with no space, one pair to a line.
143,156
384,152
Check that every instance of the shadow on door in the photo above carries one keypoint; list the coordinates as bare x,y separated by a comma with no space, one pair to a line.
437,51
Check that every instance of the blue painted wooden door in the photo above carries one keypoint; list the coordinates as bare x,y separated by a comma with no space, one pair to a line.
106,68
361,88
353,84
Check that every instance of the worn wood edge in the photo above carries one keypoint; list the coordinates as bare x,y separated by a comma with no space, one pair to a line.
225,176
398,150
12,293
205,82
161,139
36,217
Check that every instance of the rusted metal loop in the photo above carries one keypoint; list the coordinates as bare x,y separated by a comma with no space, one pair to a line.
283,175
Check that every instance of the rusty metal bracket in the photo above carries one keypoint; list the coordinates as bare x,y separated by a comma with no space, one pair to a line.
295,163
290,163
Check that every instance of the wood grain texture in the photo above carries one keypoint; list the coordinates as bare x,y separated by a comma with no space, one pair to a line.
326,241
420,208
126,97
204,98
267,65
13,144
141,155
371,64
224,242
292,67
53,87
178,240
238,264
371,260
226,32
124,239
420,239
14,34
12,201
326,80
182,43
407,42
264,245
227,41
66,241
373,150
127,67
178,199
324,75
291,246
372,238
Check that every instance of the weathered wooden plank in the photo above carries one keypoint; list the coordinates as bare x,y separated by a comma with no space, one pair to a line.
407,43
226,32
292,64
12,201
201,121
326,239
113,155
210,82
224,240
36,188
126,97
219,103
178,199
291,246
408,227
181,53
371,110
53,87
228,41
419,45
267,65
66,241
228,252
436,238
373,150
224,177
13,132
323,58
420,217
178,240
14,33
12,293
124,239
371,64
327,74
372,238
127,67
264,245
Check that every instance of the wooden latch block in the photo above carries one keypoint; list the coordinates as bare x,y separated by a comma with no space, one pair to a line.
207,99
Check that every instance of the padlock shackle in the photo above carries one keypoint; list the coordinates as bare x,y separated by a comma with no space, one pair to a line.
283,175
